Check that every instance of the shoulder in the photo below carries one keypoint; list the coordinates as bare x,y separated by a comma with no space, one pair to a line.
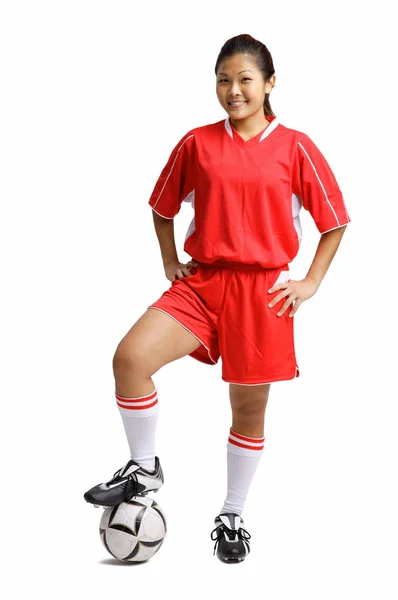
302,144
202,131
295,134
199,134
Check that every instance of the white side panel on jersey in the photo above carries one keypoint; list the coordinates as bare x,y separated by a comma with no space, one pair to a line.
190,198
191,229
297,203
284,276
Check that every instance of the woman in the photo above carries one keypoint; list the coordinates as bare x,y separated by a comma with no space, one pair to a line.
247,177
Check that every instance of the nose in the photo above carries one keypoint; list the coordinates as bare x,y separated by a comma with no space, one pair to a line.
235,90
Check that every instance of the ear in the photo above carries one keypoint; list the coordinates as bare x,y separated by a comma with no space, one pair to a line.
272,80
270,85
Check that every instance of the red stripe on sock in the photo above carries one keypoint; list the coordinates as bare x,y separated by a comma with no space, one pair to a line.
139,399
231,441
138,407
246,439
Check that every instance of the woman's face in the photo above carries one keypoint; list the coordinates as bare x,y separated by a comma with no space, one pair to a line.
240,86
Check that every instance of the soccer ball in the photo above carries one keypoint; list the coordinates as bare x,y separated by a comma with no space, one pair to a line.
133,531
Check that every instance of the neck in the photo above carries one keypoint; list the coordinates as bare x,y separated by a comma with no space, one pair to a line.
251,125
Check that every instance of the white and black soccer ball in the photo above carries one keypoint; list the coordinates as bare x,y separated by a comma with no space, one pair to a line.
133,531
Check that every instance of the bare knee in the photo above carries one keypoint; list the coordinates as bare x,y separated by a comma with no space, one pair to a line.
130,360
249,403
248,412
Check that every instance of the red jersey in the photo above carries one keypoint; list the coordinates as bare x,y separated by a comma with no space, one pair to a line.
247,195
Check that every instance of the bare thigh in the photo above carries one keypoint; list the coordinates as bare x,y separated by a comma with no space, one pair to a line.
153,341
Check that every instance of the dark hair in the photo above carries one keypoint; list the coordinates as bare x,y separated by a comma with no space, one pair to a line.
246,44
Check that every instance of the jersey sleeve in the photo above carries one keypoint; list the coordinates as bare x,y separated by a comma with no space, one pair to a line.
176,180
317,187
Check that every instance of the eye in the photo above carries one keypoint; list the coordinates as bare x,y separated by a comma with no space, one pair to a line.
243,78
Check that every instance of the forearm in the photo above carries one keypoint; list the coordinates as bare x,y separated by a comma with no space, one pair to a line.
165,233
325,252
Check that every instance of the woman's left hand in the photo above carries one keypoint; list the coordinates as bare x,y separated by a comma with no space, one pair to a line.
296,291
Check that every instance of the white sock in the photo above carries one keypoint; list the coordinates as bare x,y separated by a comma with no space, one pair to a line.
140,416
243,456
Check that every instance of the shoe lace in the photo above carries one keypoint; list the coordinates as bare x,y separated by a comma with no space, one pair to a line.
233,534
131,485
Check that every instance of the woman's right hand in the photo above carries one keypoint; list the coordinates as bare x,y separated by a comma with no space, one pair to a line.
176,270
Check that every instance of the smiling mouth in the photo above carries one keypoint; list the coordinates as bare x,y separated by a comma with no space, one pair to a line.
237,105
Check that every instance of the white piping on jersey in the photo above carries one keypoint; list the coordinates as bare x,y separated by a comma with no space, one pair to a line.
321,184
189,198
172,167
333,228
297,204
161,215
274,123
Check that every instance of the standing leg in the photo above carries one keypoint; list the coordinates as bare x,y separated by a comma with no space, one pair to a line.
245,442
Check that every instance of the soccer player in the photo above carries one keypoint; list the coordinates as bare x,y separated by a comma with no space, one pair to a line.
246,177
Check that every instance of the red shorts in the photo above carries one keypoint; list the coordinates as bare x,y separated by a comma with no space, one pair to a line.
226,309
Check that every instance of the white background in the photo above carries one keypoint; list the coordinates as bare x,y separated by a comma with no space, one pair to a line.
94,97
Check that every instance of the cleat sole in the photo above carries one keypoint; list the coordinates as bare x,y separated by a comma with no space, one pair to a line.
232,560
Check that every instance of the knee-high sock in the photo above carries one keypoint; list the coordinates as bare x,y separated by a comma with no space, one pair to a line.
243,456
140,416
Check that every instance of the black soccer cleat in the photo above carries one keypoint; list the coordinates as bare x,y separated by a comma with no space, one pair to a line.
129,481
231,539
